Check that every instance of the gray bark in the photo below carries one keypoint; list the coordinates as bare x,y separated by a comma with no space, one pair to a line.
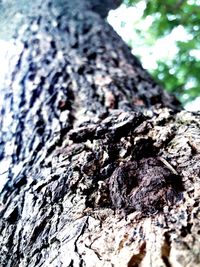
101,165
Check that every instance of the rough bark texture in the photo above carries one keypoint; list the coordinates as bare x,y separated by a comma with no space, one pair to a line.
101,165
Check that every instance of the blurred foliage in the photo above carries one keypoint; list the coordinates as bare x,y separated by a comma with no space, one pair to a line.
180,74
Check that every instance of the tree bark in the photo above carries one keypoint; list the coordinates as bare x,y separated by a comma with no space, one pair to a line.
101,166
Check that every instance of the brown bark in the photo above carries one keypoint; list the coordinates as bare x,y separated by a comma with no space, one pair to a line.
103,164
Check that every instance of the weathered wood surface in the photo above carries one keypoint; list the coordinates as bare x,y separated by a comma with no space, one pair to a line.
102,166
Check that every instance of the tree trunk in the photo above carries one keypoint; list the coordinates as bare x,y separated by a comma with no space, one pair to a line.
101,166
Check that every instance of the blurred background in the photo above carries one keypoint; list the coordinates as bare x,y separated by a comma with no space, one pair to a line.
165,35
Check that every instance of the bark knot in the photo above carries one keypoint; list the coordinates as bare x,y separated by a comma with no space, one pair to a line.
146,185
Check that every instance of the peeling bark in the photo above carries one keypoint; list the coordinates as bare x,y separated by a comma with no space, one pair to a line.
101,165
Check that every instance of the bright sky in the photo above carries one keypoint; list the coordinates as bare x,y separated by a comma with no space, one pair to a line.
125,19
